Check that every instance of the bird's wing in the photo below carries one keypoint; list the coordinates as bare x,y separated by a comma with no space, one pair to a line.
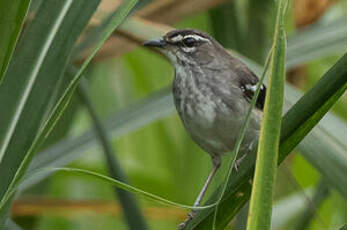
248,83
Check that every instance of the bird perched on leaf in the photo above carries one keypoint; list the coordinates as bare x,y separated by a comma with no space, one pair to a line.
212,91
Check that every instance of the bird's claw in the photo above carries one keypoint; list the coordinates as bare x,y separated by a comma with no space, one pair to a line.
236,165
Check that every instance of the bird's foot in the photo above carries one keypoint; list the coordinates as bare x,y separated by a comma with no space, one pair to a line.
238,163
190,216
236,166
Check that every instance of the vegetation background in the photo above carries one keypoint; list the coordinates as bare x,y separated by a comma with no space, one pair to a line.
126,87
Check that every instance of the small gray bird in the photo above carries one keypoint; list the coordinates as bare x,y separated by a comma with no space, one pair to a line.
212,91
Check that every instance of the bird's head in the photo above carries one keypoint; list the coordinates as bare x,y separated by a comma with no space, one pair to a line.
188,47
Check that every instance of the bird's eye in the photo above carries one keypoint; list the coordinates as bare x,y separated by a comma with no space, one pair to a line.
189,42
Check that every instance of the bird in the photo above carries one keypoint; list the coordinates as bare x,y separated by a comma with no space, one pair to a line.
212,91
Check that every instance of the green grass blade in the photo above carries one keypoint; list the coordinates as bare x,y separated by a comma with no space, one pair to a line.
266,165
12,15
117,183
314,105
117,18
131,210
33,74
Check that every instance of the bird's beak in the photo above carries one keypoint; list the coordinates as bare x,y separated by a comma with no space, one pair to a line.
159,43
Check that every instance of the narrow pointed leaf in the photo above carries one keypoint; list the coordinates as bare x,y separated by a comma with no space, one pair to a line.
260,208
12,15
116,183
116,19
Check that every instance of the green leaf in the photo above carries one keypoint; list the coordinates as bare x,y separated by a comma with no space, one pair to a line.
328,89
12,15
114,182
260,209
116,19
34,72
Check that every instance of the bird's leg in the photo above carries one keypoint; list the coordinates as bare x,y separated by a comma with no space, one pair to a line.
216,164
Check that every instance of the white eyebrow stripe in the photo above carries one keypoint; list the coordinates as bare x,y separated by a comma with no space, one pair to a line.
197,37
177,38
